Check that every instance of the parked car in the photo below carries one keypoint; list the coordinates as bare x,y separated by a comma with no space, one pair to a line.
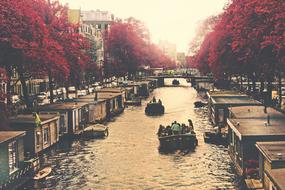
81,92
15,98
42,96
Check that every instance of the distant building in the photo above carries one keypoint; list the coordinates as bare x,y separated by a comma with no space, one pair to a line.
99,19
181,59
168,49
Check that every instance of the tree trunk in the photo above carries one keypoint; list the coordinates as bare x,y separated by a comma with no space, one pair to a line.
20,71
279,90
50,84
9,93
269,91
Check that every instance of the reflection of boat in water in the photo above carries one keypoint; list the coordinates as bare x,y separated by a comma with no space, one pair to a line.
134,102
215,137
199,104
175,82
96,131
154,108
178,142
43,173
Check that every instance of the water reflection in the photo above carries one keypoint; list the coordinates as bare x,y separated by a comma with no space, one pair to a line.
129,157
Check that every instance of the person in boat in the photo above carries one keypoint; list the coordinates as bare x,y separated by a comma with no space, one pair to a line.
183,128
168,130
176,128
159,101
191,126
161,130
154,100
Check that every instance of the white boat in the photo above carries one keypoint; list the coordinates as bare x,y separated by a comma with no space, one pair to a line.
97,130
43,173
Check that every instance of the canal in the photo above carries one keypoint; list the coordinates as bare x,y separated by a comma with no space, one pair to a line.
129,157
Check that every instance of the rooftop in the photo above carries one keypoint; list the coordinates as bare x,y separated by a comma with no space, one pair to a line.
255,112
117,90
277,175
273,151
256,127
8,135
62,106
29,118
225,93
234,100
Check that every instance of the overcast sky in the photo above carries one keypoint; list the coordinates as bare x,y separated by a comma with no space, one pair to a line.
172,20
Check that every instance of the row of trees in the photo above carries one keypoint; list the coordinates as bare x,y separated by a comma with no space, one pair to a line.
128,48
247,39
37,40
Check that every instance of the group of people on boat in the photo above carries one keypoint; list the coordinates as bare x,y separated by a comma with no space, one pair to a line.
176,129
154,101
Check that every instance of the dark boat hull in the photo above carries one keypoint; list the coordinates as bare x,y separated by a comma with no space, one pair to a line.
215,138
154,109
199,104
178,142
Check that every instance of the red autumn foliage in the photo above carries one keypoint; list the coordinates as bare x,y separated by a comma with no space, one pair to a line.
128,47
248,38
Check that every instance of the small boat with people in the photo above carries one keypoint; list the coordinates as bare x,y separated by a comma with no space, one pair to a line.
177,136
175,82
154,108
43,173
200,104
96,131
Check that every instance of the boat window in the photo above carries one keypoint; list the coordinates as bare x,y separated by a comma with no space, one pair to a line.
12,148
46,135
221,115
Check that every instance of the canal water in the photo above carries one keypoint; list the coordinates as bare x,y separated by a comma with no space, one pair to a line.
129,158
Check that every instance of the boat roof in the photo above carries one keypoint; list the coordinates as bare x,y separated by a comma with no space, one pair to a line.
277,176
257,127
255,112
273,151
234,100
6,136
29,118
62,106
111,90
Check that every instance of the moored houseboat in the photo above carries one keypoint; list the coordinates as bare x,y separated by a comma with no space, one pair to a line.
13,170
248,125
271,167
39,137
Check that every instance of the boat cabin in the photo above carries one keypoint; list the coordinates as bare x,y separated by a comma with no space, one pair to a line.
97,109
115,103
272,164
73,116
38,137
11,154
220,102
249,125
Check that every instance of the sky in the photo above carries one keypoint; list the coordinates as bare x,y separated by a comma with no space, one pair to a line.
172,20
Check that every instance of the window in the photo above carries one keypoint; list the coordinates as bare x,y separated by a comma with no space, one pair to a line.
38,138
221,115
46,135
12,148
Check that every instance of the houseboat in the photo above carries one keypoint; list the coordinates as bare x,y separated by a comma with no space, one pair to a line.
248,125
220,102
13,171
272,165
73,116
97,109
114,102
39,137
